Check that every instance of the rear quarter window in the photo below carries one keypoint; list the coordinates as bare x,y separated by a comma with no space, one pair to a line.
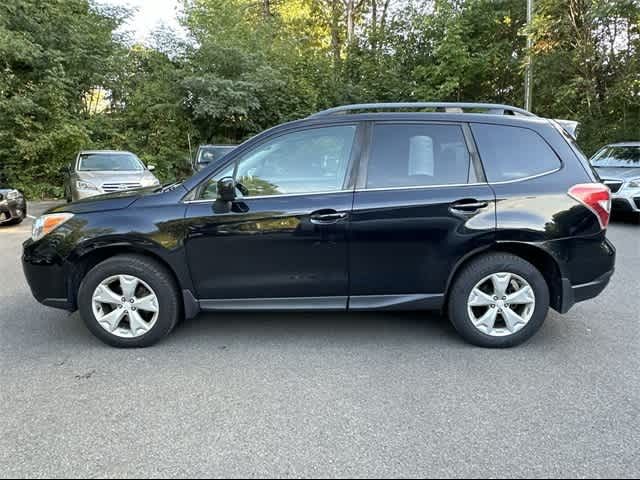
512,153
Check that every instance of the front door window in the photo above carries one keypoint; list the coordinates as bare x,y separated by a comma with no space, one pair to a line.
307,161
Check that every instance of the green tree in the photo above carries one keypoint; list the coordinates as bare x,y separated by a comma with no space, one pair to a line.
587,58
67,82
51,54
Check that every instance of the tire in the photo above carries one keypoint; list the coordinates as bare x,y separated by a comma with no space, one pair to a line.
153,277
486,267
15,221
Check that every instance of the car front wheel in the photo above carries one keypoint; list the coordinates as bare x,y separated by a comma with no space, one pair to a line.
129,301
499,301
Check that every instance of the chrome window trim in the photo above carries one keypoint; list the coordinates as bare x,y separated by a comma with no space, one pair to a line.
420,187
283,195
530,177
382,189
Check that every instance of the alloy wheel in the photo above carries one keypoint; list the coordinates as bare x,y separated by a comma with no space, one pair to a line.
125,306
501,304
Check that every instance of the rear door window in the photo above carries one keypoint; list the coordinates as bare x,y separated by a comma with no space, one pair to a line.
418,154
513,153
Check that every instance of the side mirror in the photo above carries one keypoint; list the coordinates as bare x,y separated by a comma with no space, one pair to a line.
227,189
151,167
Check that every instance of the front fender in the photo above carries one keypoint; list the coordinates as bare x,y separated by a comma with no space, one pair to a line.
156,231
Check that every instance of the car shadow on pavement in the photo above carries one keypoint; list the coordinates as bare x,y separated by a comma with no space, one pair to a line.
317,327
346,330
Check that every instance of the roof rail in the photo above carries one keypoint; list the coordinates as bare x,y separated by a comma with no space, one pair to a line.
491,108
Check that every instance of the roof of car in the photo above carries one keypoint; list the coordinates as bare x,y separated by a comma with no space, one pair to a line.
624,144
513,120
456,112
91,152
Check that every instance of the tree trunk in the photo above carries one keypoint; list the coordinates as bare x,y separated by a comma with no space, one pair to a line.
349,12
374,25
335,34
266,9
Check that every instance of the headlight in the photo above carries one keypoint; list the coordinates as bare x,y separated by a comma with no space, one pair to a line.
151,182
48,223
635,183
80,185
14,195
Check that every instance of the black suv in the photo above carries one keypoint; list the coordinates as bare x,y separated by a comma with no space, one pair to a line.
485,211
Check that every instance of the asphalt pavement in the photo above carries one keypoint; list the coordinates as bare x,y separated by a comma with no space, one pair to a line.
321,394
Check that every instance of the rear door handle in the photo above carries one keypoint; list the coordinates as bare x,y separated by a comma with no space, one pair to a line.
327,217
470,206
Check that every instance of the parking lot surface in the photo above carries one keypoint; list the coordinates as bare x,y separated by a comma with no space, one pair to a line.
321,394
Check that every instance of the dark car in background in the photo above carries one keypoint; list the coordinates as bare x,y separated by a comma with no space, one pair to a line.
13,205
493,216
618,165
210,154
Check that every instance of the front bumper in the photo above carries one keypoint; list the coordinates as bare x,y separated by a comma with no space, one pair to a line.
82,194
627,200
11,210
46,274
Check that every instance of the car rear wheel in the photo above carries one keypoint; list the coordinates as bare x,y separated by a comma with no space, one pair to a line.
129,301
499,301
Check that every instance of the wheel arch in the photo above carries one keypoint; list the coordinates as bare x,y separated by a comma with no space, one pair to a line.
83,262
542,259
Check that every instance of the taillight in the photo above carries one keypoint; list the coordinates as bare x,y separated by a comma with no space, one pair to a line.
596,197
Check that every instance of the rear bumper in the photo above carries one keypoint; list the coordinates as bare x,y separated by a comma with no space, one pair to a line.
572,294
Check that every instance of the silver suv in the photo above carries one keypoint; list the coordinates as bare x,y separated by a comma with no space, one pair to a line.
106,171
618,165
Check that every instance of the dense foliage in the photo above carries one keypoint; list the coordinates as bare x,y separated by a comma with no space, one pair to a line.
67,82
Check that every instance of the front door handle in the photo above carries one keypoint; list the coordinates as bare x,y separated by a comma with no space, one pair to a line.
468,206
327,217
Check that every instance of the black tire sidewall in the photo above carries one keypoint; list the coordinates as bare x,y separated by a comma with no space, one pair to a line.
150,272
15,221
475,272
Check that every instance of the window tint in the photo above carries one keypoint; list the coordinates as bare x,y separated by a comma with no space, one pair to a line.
510,153
418,154
307,161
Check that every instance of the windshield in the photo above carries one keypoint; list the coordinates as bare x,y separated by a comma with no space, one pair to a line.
100,162
617,157
208,155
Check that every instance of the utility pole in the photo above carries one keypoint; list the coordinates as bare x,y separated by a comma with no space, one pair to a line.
528,81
